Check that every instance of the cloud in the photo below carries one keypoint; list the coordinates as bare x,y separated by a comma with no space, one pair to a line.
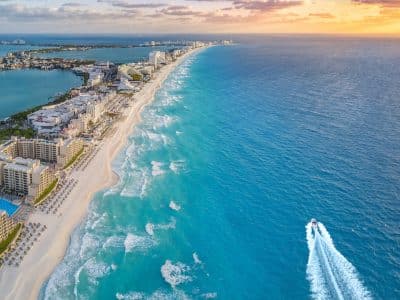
72,4
383,3
125,4
22,13
322,15
265,6
180,10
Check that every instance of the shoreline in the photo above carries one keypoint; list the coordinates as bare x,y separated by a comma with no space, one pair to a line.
26,281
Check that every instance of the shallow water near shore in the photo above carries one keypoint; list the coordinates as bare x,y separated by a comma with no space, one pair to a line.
241,147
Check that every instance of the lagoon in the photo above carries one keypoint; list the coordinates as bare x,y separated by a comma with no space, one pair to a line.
23,89
115,55
4,49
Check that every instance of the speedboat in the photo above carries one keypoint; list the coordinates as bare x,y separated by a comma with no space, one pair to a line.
314,226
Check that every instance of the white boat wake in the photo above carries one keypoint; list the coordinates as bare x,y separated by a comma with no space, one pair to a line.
330,274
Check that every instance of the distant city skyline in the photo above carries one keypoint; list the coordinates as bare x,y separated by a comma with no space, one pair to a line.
200,16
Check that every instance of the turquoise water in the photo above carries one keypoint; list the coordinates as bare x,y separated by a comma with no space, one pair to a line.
8,207
241,147
115,55
23,89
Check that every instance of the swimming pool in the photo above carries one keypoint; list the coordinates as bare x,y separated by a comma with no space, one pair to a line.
8,207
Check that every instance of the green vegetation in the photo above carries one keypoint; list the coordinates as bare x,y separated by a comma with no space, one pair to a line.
85,78
73,159
20,117
4,244
60,98
7,133
137,77
46,192
111,114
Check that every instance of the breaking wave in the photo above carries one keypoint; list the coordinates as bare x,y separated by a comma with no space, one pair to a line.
136,242
175,274
150,227
174,206
90,255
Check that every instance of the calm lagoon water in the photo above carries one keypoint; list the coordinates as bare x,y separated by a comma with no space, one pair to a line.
23,89
115,55
4,49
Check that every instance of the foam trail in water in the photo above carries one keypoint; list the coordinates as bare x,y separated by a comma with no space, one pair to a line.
331,275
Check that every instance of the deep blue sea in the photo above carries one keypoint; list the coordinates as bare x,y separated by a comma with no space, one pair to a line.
242,146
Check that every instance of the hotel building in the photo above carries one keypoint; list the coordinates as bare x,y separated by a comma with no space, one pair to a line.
24,176
156,58
6,225
57,151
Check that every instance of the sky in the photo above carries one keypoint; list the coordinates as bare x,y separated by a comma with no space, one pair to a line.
373,17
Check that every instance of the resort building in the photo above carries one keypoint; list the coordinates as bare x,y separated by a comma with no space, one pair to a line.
57,151
50,121
25,176
156,58
6,225
68,150
94,110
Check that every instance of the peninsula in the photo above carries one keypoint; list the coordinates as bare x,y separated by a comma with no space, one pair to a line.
67,162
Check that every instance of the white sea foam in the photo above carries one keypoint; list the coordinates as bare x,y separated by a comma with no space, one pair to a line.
157,139
330,274
196,258
150,228
170,225
88,244
212,295
175,274
76,278
174,206
130,296
136,183
177,165
114,241
157,295
98,221
95,270
156,168
135,242
114,267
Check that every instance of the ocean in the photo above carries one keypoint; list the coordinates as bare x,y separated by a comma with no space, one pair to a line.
242,146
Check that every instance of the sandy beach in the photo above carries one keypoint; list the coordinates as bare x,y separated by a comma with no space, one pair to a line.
25,281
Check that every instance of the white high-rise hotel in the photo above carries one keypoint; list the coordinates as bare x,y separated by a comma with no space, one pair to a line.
156,58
